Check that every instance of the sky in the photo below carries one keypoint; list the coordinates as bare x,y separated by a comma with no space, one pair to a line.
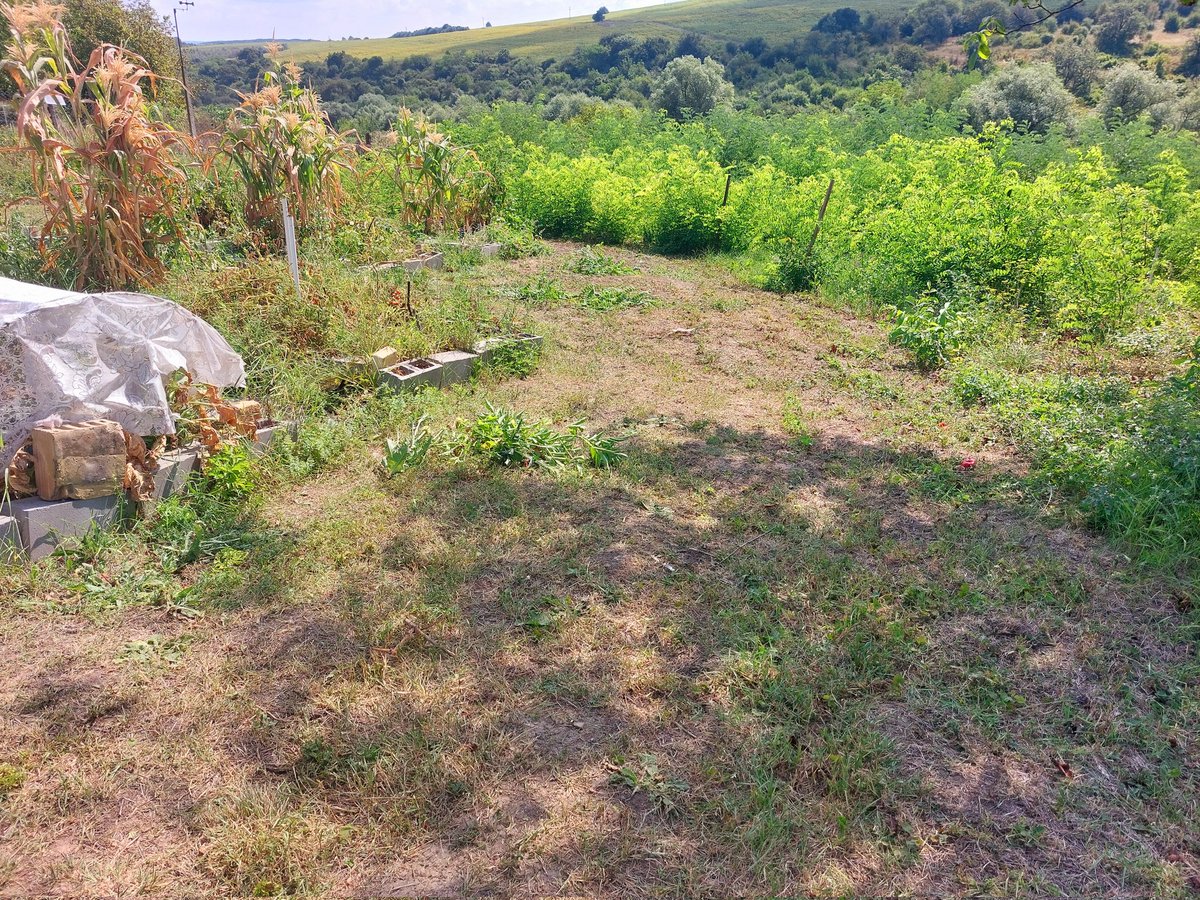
224,20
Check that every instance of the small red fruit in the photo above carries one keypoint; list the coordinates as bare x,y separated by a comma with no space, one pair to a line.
968,463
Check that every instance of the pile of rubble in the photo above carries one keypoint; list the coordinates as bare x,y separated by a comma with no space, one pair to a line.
83,377
74,477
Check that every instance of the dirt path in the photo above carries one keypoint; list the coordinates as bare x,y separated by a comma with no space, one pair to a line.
788,646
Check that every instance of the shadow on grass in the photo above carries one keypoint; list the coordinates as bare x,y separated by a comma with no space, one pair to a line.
733,666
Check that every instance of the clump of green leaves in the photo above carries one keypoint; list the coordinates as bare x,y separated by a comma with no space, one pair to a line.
929,331
795,422
509,439
590,261
546,614
230,473
645,775
409,451
515,358
539,291
605,299
155,650
506,439
795,268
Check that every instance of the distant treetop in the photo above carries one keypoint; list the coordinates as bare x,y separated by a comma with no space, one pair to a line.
439,29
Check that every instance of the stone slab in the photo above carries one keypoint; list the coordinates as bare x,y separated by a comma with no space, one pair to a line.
457,365
430,261
43,524
490,250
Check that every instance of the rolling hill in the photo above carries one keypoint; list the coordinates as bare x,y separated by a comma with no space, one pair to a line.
721,20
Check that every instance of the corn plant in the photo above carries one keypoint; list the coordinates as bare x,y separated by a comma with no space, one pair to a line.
106,171
282,144
441,186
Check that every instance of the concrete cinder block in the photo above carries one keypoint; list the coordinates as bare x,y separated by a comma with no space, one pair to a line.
268,434
411,374
427,261
79,461
44,524
457,365
11,545
172,472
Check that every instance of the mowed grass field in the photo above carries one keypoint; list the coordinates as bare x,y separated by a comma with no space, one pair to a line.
721,20
789,646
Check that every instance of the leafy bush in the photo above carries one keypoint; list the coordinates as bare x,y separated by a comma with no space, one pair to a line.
691,87
229,474
1131,91
927,331
1032,96
1078,67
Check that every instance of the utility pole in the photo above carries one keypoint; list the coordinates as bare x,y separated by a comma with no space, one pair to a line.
187,94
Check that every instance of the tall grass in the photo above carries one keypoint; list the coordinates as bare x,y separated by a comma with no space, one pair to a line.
106,171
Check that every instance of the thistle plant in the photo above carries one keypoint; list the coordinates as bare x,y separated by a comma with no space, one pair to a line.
282,144
107,172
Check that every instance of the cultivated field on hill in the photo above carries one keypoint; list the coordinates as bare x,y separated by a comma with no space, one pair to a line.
720,20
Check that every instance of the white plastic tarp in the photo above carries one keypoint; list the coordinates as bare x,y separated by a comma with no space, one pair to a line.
87,356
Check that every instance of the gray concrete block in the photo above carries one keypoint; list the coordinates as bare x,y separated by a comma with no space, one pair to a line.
411,374
11,545
457,365
490,250
426,261
44,524
173,471
269,433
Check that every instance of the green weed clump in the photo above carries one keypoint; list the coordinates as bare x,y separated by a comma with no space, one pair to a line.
598,299
1130,458
508,440
590,261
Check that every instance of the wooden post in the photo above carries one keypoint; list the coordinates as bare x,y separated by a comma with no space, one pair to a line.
812,242
728,181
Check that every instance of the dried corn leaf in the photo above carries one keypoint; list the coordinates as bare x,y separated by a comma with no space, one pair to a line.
20,481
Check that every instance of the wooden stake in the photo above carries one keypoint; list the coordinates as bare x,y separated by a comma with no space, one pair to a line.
812,242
